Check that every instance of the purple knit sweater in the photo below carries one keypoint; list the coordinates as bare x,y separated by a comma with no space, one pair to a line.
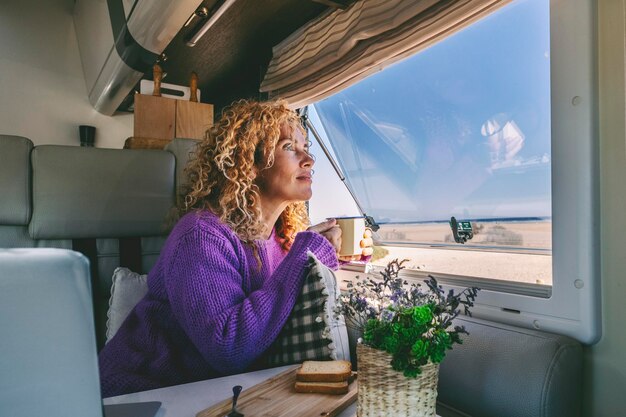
209,311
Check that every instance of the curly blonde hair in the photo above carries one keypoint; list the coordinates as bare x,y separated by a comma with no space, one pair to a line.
222,171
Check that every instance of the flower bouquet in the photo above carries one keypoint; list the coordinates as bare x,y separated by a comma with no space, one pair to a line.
406,330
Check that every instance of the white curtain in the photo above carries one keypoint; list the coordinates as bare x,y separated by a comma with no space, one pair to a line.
342,47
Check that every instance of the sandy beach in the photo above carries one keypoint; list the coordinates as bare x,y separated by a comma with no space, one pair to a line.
506,254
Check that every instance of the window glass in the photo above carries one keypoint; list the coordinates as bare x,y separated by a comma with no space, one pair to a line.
461,129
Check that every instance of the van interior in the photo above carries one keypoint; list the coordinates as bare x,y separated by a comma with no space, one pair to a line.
483,141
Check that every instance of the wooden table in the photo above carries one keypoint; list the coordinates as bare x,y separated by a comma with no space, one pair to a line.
187,400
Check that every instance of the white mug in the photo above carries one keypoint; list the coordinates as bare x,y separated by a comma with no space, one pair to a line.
352,230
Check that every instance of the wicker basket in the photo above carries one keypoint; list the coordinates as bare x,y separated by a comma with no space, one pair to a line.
385,392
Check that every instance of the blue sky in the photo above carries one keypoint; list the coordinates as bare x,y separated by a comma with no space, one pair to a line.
461,128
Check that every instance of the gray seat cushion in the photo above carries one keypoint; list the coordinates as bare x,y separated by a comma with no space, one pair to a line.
15,180
15,193
101,193
183,150
502,370
49,365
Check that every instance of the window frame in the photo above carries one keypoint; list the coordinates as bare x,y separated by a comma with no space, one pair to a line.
573,304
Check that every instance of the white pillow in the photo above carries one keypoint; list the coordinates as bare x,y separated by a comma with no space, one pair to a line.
127,289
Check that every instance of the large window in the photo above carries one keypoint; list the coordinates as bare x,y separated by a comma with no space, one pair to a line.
469,128
461,129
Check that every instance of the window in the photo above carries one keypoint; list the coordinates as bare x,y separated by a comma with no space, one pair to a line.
476,128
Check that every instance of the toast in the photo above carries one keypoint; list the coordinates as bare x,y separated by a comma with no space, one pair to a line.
322,387
324,371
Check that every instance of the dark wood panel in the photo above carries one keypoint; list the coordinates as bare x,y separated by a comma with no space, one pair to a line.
231,58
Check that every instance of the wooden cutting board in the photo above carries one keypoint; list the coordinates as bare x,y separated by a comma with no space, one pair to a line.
276,397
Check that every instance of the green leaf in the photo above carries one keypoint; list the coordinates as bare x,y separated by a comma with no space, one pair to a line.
423,314
419,349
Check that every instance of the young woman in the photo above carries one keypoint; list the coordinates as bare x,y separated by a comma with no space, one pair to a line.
231,269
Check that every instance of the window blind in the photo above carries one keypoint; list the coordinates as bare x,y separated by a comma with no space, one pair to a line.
342,47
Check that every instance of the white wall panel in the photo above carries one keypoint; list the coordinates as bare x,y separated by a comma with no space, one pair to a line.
43,94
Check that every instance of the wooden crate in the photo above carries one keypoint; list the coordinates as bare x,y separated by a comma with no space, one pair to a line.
155,117
165,118
193,119
145,143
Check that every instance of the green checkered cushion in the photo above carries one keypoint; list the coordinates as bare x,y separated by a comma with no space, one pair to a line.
311,332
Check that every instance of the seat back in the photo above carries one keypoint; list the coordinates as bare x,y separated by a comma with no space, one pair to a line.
100,193
111,204
183,150
48,363
503,370
15,210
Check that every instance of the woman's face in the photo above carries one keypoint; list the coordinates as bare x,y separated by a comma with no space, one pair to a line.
290,178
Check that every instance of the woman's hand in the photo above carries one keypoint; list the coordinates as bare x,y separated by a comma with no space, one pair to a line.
330,230
366,244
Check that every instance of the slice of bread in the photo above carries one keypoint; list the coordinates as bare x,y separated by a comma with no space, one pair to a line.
322,387
324,371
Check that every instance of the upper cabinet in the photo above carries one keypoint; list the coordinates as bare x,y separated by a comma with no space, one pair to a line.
119,41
